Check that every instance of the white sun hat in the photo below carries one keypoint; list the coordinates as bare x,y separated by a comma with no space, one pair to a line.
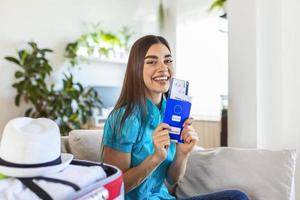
31,147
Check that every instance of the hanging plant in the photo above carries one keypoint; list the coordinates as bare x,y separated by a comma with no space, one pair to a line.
161,17
99,43
71,106
219,5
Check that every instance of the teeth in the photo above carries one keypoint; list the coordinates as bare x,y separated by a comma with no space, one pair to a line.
161,78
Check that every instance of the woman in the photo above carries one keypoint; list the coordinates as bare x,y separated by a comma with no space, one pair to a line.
136,140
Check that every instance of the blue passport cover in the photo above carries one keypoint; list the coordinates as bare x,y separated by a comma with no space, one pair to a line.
176,113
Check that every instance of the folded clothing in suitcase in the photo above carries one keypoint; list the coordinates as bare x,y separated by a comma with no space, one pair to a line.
80,180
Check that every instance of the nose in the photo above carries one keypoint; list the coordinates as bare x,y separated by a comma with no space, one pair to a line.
163,67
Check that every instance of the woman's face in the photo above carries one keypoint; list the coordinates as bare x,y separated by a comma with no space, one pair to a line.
158,70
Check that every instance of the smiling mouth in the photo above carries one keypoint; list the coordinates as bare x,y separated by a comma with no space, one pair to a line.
161,78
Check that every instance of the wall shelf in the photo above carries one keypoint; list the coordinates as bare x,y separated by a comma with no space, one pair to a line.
92,59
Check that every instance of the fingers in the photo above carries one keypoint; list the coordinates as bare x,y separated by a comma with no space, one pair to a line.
163,133
191,139
161,139
162,143
188,122
162,126
187,129
189,135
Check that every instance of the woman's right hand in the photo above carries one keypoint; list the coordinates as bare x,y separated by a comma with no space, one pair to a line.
161,141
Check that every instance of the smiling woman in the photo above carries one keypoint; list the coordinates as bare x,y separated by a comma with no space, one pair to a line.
136,140
142,149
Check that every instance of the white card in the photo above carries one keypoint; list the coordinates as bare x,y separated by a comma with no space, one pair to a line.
179,89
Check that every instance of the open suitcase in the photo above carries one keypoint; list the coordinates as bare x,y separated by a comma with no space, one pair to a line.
109,188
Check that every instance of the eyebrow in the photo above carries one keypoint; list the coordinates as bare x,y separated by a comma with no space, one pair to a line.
155,57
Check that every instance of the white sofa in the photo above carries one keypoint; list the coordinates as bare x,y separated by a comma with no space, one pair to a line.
262,174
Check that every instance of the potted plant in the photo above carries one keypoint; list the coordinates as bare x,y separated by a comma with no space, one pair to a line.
71,106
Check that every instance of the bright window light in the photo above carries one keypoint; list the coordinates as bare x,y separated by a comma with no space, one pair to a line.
202,59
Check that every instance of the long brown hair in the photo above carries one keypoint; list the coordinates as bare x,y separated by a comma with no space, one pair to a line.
133,97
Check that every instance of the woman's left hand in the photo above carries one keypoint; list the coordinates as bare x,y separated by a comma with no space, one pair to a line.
190,138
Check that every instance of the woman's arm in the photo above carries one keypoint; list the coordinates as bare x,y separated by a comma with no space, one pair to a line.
136,175
132,176
177,168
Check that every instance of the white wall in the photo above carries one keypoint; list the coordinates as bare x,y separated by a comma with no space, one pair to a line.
291,82
269,73
264,75
53,24
242,119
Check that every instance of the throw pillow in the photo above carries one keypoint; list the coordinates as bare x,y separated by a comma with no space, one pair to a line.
262,174
85,144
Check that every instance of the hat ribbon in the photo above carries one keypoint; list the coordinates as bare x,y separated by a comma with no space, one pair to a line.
46,164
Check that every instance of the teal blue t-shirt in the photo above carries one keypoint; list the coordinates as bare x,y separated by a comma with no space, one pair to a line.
136,138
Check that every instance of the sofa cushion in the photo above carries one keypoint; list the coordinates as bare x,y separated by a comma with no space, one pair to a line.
86,144
65,147
262,174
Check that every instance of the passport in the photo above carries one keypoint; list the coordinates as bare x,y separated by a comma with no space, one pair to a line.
178,107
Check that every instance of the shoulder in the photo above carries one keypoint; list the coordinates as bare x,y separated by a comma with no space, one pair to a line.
119,136
117,115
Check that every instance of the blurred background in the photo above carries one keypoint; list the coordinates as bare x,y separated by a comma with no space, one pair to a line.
196,31
240,56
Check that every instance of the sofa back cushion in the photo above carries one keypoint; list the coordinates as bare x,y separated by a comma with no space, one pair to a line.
86,144
262,174
65,147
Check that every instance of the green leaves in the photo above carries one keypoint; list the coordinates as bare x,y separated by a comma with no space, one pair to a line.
98,43
17,99
161,16
12,59
217,5
70,106
19,74
22,55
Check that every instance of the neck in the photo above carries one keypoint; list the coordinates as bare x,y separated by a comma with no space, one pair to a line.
155,98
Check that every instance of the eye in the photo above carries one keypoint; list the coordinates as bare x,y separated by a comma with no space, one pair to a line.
151,62
168,61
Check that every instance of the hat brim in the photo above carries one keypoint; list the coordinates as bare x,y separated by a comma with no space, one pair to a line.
37,171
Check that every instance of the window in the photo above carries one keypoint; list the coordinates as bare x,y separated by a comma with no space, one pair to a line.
202,59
